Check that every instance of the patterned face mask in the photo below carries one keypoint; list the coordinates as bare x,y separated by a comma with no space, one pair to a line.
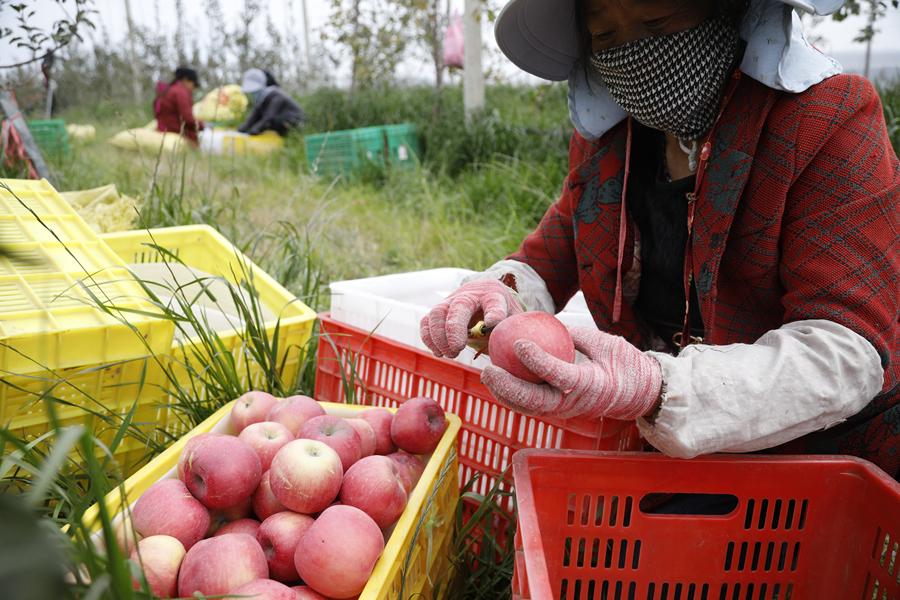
674,82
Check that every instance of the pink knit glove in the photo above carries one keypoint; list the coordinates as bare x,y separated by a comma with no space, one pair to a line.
618,382
445,329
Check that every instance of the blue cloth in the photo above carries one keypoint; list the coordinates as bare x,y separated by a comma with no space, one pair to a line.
777,55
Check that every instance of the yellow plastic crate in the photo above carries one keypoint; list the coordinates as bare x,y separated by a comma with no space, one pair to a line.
46,316
266,142
54,341
416,556
203,248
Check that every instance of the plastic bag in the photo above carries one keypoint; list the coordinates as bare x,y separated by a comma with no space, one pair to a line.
81,132
148,139
454,43
226,103
103,208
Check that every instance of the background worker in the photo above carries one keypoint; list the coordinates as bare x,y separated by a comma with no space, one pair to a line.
174,105
272,109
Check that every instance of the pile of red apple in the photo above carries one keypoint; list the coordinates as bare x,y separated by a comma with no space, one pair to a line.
296,498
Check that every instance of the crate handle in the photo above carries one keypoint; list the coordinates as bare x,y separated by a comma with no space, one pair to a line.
687,504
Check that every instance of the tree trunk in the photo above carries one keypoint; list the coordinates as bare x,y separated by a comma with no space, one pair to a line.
306,37
473,76
437,44
135,83
355,49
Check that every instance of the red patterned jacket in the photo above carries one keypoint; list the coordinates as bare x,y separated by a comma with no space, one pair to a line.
795,218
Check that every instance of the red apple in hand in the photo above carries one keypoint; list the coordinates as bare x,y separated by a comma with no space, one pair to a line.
278,536
338,434
160,557
168,508
294,411
374,486
248,526
366,435
306,475
338,552
380,419
265,589
418,425
542,328
222,471
251,408
220,564
411,468
266,438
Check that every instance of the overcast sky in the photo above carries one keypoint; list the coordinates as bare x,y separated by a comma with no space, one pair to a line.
836,37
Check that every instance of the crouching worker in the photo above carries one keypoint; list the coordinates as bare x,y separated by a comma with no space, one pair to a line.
174,105
273,109
731,215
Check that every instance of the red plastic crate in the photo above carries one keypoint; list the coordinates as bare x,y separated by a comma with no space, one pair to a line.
389,372
817,528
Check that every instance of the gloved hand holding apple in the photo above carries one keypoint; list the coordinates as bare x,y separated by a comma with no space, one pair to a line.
534,372
445,329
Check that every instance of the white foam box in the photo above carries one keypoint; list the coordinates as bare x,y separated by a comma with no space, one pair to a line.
393,305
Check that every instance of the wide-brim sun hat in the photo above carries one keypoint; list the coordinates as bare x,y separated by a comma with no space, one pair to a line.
541,36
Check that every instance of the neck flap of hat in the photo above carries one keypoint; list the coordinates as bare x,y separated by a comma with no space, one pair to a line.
778,55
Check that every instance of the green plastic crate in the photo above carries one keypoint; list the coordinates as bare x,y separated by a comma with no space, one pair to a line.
348,151
50,136
403,144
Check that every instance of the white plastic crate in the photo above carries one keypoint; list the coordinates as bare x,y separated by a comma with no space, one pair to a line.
393,305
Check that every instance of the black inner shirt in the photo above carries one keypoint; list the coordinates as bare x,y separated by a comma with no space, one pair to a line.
659,207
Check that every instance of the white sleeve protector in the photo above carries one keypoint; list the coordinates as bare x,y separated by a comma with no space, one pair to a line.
530,286
804,377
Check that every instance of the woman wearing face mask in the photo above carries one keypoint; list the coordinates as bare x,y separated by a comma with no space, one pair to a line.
731,216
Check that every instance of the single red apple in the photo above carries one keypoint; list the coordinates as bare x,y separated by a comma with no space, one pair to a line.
411,468
374,486
266,438
418,425
278,536
251,408
265,504
337,554
188,449
294,411
160,557
366,435
306,475
336,433
222,471
542,328
264,589
380,419
248,526
216,566
126,537
168,508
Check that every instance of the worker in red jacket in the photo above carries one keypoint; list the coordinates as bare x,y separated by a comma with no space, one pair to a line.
174,105
731,215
